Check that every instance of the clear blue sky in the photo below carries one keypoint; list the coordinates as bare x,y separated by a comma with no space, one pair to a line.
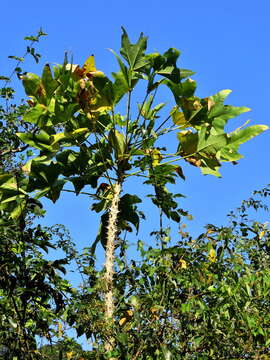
226,43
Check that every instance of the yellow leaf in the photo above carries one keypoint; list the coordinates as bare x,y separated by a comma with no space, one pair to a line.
261,235
156,157
154,309
27,167
210,103
71,67
126,318
197,105
129,313
178,117
89,68
65,135
69,355
57,137
60,330
89,65
183,264
122,321
212,255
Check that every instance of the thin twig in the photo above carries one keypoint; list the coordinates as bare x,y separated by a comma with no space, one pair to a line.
13,151
164,122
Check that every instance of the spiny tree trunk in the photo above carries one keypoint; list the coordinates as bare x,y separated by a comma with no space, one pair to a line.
109,262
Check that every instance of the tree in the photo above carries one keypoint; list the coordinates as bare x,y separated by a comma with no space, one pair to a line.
33,293
198,298
83,140
65,350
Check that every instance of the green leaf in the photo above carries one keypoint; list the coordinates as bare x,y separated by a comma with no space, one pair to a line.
122,338
5,78
49,83
147,112
219,114
188,88
49,172
12,323
7,178
20,59
41,141
134,53
208,146
120,86
202,150
188,142
31,38
125,73
238,137
220,96
176,89
128,211
168,67
67,135
105,89
226,112
55,190
129,199
178,118
166,71
185,73
32,84
34,115
18,210
210,167
267,343
117,141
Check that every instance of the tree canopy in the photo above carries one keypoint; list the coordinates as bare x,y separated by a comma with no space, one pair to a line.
188,298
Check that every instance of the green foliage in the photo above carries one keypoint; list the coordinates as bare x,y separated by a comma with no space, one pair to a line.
66,349
81,139
33,290
180,300
200,298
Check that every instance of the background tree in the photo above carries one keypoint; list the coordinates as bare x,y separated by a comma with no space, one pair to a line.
197,298
33,293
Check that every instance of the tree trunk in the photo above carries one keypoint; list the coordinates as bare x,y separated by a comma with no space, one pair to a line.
109,264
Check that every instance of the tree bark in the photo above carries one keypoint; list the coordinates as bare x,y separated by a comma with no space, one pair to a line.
109,264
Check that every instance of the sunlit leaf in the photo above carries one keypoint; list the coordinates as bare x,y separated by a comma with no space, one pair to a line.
179,118
32,84
49,83
89,65
212,255
34,114
182,264
117,141
134,53
230,152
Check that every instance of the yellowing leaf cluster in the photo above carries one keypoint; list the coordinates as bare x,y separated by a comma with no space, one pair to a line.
126,318
212,255
182,264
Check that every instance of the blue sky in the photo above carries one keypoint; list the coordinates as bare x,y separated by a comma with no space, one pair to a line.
225,43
